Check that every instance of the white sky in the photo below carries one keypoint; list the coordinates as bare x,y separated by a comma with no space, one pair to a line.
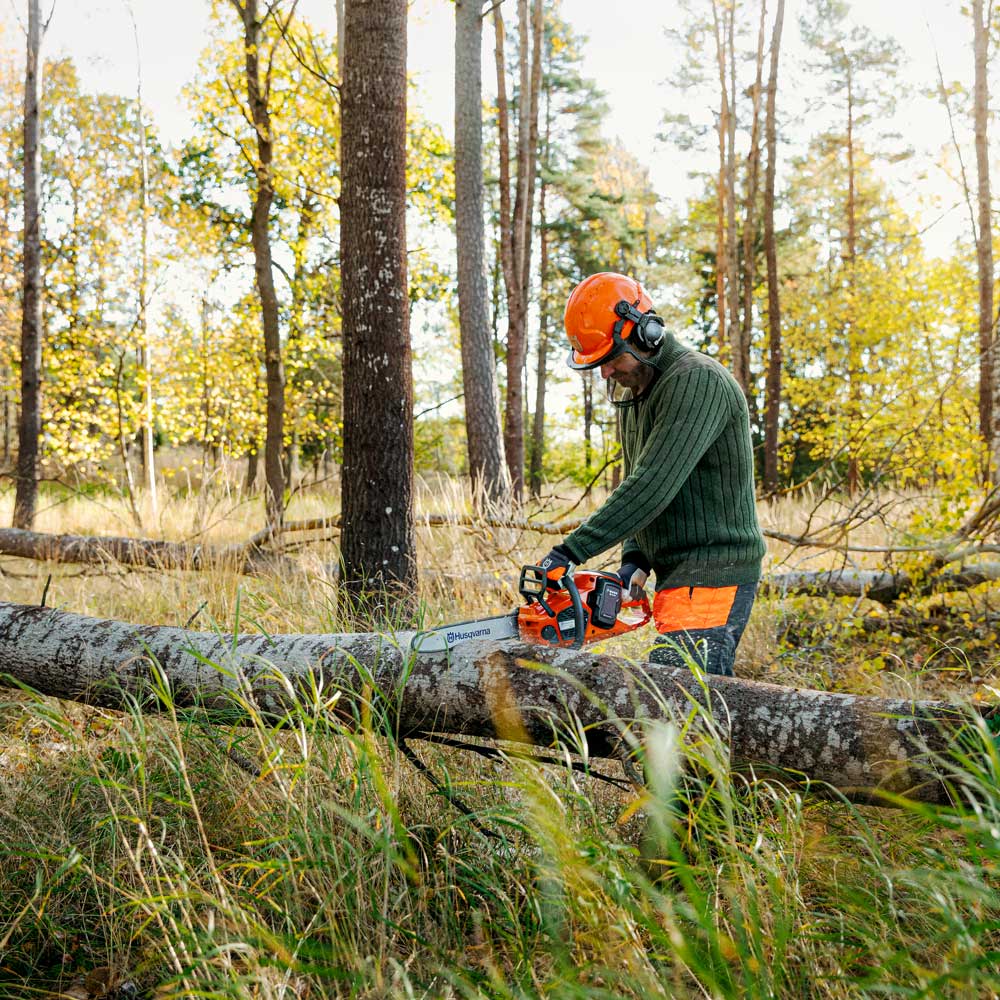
626,55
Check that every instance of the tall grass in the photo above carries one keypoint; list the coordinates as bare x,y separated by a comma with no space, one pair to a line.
139,856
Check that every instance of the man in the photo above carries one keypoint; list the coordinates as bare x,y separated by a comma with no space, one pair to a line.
685,509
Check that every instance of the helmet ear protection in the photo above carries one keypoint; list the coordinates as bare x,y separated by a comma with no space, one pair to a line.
648,331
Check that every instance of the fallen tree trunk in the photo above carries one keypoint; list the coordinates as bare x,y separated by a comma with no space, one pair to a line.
877,585
859,745
140,552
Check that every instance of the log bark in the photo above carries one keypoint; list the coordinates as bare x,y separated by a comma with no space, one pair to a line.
377,489
860,745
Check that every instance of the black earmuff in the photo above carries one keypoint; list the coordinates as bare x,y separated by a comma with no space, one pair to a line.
648,331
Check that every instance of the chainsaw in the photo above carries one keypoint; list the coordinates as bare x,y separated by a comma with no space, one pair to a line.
589,606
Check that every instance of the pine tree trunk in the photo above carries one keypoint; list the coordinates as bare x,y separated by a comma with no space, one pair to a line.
487,467
739,370
258,97
772,416
541,367
750,223
515,227
378,540
721,242
528,155
30,421
861,745
989,405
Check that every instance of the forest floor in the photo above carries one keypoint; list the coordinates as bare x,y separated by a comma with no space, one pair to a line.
139,858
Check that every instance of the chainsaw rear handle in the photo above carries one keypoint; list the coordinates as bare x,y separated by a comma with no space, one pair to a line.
534,582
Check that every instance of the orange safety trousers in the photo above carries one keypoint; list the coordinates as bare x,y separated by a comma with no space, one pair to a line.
688,609
701,624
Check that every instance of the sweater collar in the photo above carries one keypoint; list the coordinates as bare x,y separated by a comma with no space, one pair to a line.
670,350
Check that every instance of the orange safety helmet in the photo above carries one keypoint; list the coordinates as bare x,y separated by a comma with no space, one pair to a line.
605,311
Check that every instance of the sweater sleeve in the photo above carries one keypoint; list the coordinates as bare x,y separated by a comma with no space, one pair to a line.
693,413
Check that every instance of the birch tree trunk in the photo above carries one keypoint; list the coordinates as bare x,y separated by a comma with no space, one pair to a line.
30,421
772,415
487,467
378,539
859,745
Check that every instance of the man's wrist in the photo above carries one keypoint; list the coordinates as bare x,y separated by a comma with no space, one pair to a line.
637,558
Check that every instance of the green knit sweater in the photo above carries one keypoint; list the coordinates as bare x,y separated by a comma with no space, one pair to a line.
687,501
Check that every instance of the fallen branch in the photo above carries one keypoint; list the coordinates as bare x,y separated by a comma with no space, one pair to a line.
251,559
877,585
862,746
144,552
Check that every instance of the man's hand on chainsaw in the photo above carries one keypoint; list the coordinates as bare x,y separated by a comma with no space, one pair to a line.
633,578
555,564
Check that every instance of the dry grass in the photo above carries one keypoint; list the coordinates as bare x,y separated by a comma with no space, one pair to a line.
135,845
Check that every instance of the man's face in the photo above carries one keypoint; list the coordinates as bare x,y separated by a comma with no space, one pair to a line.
628,372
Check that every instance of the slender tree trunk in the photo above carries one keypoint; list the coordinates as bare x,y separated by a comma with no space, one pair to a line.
732,243
750,222
515,229
774,359
252,462
144,350
378,540
30,422
506,242
487,467
588,421
721,242
541,368
853,346
989,406
340,39
8,424
861,745
258,93
528,155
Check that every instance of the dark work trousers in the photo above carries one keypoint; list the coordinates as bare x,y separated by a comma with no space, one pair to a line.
703,624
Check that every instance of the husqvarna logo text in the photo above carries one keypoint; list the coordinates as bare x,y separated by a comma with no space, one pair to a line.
474,634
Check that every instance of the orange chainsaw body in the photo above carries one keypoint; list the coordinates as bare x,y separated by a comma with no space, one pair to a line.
551,619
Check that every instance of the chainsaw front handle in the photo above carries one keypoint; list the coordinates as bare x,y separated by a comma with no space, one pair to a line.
533,584
579,618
